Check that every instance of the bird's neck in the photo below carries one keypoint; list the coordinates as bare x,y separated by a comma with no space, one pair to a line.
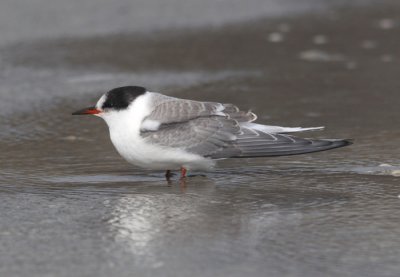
128,122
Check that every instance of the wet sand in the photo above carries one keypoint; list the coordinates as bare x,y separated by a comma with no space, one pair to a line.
71,206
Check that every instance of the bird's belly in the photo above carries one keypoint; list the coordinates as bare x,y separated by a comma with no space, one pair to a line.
137,152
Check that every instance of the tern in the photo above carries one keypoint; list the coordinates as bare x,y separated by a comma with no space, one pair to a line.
154,131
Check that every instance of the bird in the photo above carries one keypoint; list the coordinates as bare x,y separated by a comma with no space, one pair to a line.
159,132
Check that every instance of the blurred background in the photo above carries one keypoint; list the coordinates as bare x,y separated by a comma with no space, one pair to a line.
71,206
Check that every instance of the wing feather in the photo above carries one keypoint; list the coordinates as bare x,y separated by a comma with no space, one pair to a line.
168,110
205,136
216,130
268,145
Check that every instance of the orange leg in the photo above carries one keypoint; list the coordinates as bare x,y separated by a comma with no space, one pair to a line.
183,172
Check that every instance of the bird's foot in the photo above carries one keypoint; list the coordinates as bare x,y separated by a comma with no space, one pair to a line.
169,174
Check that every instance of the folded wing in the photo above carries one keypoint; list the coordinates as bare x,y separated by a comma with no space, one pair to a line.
218,131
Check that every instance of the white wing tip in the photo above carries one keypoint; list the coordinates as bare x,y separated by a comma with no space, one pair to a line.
299,129
278,129
311,128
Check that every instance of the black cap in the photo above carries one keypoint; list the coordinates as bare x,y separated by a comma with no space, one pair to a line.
120,98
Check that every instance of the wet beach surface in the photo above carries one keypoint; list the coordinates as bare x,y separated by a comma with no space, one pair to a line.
71,206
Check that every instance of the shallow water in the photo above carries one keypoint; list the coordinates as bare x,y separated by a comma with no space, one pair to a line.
71,206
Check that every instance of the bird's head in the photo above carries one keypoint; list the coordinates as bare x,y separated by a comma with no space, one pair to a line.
116,100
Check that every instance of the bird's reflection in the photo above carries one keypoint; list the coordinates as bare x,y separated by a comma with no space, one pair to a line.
160,225
142,221
182,184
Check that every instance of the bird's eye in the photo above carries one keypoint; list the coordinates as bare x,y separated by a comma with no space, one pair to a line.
109,105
